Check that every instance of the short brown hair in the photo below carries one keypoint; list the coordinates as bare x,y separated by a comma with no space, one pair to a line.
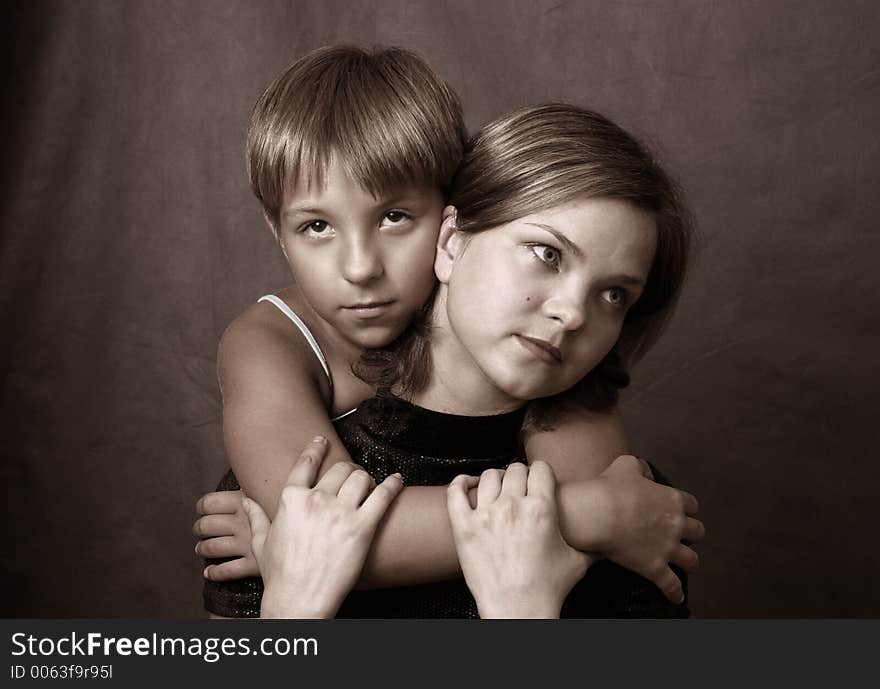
383,113
543,156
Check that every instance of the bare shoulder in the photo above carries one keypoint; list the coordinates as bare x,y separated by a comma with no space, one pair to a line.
581,445
263,343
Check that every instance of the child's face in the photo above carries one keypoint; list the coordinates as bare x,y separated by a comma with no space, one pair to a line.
363,263
537,303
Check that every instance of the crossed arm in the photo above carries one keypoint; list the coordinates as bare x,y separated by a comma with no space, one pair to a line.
513,556
275,402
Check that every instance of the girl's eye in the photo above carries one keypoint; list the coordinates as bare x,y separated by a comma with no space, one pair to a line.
617,297
317,229
547,254
395,218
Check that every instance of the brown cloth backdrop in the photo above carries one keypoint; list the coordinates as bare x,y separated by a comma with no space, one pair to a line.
130,240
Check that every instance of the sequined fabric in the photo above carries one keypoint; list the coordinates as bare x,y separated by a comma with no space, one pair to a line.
387,434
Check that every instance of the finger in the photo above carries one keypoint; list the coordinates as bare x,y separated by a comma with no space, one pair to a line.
356,488
694,531
689,503
489,487
305,468
234,569
686,558
219,502
542,481
515,480
221,546
212,525
332,481
457,503
380,499
670,585
259,526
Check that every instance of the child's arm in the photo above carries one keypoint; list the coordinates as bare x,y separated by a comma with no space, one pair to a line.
313,552
513,556
642,527
274,391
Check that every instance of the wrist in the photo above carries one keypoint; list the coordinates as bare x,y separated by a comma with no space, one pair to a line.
519,609
585,515
282,605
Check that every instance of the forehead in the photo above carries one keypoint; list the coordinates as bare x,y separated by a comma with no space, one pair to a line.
335,185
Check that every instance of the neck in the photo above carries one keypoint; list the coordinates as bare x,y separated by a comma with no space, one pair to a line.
457,385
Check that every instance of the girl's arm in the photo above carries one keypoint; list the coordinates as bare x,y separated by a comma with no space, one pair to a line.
312,553
513,556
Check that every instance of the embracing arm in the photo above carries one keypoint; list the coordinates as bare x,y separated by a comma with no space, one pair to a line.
637,523
274,404
274,393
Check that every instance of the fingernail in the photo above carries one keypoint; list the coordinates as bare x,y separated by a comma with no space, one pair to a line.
318,439
205,572
397,474
197,549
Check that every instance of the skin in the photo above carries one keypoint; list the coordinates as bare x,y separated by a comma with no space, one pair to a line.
312,554
513,556
561,278
559,275
276,396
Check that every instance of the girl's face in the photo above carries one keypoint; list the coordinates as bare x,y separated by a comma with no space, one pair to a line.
532,306
362,263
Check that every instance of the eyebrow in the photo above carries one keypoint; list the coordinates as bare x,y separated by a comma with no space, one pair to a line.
621,278
302,210
561,238
405,199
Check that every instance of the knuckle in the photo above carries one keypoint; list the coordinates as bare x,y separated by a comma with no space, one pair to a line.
505,507
677,523
383,491
314,498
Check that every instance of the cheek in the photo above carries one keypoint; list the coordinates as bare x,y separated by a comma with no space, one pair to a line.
596,344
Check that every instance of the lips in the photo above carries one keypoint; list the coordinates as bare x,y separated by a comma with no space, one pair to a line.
542,349
369,309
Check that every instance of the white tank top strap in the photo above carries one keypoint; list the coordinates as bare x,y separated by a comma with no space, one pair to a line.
303,328
344,414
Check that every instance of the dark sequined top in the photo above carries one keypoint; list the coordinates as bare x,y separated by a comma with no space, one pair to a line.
386,434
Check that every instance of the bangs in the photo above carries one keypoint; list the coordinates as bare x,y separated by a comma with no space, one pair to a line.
385,119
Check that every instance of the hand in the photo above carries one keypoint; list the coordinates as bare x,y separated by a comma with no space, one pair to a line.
312,554
649,525
225,532
512,555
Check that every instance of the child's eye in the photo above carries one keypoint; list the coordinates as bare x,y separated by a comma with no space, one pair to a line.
547,254
395,218
617,297
317,229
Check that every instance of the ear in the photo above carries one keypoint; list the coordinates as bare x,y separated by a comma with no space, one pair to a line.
450,244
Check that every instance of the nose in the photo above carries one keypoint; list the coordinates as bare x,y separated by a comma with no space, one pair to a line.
569,310
362,260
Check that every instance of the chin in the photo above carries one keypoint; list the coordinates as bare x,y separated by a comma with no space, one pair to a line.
377,336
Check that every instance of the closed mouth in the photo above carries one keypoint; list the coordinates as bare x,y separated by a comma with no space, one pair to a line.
369,309
543,349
